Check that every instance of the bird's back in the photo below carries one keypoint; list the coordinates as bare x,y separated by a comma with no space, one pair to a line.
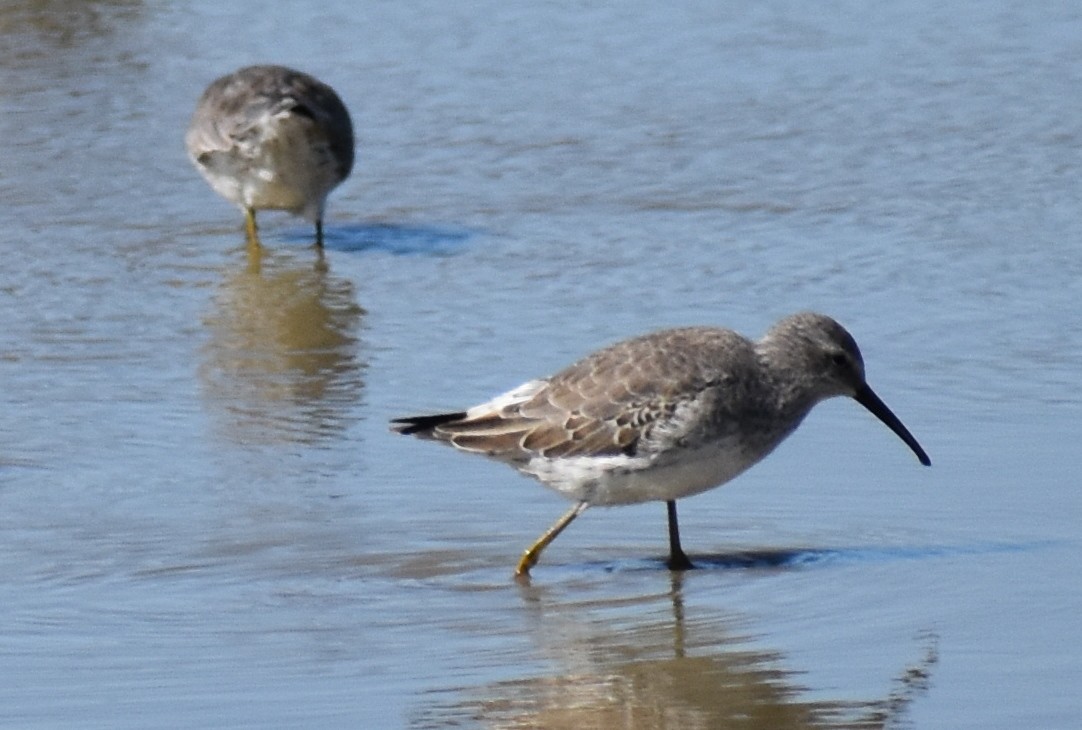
272,137
627,399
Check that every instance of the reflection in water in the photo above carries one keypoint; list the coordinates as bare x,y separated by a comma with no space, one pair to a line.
62,23
282,362
635,669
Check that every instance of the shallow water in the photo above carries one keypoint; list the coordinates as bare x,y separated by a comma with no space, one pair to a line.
204,520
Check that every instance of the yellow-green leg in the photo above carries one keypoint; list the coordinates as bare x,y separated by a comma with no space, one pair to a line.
533,553
250,228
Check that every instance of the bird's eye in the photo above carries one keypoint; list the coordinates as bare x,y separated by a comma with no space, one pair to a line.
839,359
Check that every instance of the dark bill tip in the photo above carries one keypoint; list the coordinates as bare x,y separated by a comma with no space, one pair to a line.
867,398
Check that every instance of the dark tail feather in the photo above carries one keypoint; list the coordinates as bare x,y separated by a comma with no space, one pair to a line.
423,424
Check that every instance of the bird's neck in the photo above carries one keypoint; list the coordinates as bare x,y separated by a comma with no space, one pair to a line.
791,398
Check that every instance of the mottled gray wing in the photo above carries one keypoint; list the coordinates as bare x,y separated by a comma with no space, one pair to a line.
233,107
613,402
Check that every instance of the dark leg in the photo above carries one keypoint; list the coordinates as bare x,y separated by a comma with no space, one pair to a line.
319,233
677,559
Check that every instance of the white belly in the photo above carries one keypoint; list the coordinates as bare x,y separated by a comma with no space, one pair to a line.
617,480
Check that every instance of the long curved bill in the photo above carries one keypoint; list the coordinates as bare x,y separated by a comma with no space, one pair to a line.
867,398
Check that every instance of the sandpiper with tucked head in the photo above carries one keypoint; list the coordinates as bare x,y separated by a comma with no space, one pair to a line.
271,138
662,416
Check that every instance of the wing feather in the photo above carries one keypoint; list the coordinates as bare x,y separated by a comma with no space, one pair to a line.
630,398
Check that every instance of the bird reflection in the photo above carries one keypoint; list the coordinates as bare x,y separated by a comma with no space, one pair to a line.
63,24
282,362
653,667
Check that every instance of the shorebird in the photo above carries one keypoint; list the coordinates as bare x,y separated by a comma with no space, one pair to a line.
662,416
271,138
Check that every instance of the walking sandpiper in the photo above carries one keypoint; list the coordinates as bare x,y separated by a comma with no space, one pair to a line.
662,416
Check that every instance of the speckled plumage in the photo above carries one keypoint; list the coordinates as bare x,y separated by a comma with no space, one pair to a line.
665,415
272,138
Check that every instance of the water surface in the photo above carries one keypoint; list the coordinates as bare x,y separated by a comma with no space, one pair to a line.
204,520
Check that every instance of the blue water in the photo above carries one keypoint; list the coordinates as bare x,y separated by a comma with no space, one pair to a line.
205,522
